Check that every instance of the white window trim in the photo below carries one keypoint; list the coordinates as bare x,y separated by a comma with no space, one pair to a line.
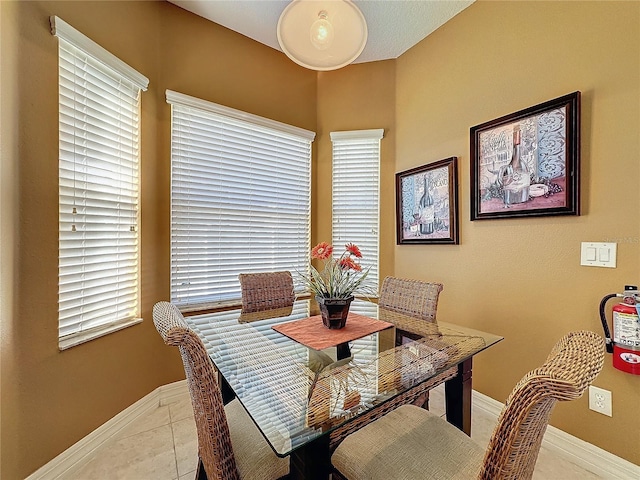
176,98
88,335
373,134
62,29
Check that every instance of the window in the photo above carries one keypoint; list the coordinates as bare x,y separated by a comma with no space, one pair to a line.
356,172
99,110
240,199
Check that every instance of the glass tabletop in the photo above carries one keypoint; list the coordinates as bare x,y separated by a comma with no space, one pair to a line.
295,394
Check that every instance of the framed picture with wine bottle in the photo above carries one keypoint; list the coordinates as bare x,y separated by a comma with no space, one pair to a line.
527,163
427,203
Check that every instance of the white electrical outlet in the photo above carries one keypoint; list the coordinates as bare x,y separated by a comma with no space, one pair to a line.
600,400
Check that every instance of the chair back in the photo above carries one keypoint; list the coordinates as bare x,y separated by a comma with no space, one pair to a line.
410,297
266,291
214,441
574,362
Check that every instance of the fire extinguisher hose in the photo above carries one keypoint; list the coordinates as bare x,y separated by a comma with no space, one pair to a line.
603,319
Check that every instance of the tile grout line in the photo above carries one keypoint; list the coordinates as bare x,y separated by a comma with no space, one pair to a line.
173,441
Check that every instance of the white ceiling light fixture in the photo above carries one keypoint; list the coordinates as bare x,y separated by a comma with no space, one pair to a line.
322,35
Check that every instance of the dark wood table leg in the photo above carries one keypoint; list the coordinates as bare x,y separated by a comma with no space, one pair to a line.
312,461
200,473
227,392
458,397
343,351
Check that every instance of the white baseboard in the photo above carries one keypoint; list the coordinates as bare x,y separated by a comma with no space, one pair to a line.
579,452
79,453
172,392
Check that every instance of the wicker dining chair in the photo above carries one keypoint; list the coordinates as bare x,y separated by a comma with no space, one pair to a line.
416,298
227,450
410,442
411,297
266,291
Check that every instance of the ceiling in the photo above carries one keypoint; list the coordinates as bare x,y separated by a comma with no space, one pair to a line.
394,25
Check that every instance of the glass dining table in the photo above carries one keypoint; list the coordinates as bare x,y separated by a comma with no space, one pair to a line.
305,400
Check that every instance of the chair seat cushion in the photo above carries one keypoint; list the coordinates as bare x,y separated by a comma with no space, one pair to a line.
408,443
254,457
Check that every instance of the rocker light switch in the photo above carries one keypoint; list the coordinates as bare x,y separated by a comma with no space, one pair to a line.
594,254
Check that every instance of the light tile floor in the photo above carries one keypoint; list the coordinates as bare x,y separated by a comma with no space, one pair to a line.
163,446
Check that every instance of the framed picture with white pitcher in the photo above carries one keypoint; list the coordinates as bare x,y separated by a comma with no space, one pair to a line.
527,163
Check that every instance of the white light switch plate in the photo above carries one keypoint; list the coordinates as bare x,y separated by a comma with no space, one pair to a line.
595,254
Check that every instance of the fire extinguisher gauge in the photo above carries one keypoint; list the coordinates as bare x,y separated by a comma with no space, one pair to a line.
630,296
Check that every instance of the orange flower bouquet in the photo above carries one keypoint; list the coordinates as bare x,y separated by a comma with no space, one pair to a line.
341,277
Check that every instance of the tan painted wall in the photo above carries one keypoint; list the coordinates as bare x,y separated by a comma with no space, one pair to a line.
51,399
485,63
357,97
521,278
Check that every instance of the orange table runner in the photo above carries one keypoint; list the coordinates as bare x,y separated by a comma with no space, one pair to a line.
311,332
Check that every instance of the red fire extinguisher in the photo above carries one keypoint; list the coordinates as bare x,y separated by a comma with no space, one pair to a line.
626,330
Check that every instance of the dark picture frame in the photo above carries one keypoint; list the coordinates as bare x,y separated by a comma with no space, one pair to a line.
542,141
427,204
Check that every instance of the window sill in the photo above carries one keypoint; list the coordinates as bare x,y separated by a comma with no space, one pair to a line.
215,307
86,336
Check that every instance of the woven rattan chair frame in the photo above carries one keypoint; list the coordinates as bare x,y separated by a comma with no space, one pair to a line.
413,395
418,299
214,441
266,291
570,368
411,297
513,448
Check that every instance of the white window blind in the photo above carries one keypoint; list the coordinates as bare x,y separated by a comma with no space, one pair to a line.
99,110
356,185
240,199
